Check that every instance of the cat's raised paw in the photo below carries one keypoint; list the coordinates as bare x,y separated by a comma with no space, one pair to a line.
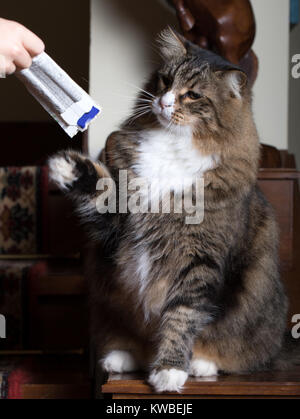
203,368
168,380
62,171
119,361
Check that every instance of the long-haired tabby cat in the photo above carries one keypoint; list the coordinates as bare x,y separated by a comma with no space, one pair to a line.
172,297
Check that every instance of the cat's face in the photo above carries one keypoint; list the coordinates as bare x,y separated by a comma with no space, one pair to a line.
194,87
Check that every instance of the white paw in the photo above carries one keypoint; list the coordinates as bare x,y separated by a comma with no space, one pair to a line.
61,171
168,380
119,361
202,368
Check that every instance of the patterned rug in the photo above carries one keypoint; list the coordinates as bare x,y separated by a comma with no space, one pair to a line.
3,384
23,231
23,193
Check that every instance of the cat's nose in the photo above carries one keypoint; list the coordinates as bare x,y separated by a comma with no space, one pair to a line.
163,104
167,100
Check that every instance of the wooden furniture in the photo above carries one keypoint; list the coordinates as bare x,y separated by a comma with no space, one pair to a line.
57,307
48,377
55,310
280,188
259,385
57,300
272,158
226,27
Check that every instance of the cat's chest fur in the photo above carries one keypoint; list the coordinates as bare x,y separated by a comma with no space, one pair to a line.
170,160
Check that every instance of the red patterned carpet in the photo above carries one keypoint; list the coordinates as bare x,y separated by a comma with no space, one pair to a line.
23,194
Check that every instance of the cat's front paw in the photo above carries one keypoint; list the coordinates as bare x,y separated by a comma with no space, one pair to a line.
62,170
168,380
203,368
74,171
119,362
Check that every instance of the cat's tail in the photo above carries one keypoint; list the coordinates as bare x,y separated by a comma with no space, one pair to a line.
289,355
78,177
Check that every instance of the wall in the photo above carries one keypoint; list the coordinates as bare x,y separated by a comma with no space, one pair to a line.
271,88
294,102
65,28
122,55
122,33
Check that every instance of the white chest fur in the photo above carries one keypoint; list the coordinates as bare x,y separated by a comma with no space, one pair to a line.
169,159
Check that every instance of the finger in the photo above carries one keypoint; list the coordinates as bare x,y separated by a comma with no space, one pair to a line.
11,68
3,65
32,43
21,58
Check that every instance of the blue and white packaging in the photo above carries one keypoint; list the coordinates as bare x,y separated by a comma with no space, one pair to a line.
61,97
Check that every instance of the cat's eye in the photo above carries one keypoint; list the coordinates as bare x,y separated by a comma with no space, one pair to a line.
192,95
166,80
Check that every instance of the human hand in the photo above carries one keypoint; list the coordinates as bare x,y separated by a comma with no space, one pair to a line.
18,45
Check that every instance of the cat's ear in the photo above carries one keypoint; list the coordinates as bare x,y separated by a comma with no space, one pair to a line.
171,44
237,81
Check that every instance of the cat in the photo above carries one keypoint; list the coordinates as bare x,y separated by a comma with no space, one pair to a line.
168,296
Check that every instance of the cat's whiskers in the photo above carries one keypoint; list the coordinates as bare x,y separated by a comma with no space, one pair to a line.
132,119
133,98
139,110
141,107
142,90
144,100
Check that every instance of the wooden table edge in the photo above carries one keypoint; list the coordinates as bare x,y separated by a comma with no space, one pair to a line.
209,388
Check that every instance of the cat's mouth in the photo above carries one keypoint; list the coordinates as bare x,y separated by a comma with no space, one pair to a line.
164,113
167,115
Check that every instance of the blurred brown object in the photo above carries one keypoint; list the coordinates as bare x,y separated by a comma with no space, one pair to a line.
272,158
226,27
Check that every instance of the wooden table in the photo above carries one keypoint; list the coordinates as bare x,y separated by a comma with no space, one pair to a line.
34,376
260,385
